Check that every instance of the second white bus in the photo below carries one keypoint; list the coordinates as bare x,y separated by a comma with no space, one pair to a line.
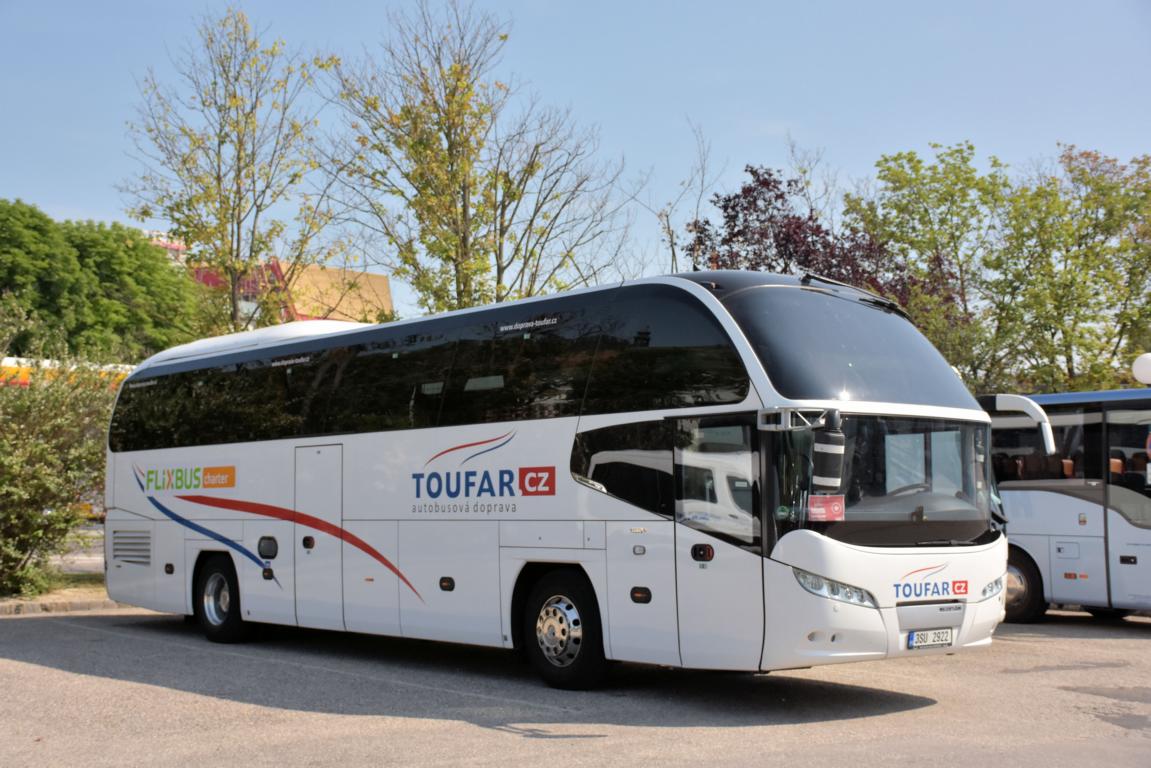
1079,519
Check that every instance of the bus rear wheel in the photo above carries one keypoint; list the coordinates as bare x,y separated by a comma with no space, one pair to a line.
562,634
217,601
1025,603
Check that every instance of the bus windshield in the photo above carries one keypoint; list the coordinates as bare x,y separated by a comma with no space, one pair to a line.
816,345
905,482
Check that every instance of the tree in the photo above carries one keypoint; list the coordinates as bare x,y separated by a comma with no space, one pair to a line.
477,195
104,290
766,226
51,455
142,303
39,273
1076,254
939,220
229,153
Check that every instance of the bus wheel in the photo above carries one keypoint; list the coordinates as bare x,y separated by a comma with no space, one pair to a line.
562,634
217,601
1025,603
1109,614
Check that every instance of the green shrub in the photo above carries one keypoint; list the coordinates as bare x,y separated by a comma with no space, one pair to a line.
52,437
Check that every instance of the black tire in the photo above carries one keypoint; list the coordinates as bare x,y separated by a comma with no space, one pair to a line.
1024,601
1109,614
562,633
216,601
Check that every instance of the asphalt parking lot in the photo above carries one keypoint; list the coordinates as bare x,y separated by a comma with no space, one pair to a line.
131,687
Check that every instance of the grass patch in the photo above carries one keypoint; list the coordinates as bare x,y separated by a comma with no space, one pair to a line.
57,580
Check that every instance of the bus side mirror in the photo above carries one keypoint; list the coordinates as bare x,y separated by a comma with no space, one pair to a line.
827,454
1020,404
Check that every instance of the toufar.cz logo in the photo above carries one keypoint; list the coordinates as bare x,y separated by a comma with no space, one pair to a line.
465,489
922,584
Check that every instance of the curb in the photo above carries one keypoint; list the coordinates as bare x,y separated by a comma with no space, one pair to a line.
30,607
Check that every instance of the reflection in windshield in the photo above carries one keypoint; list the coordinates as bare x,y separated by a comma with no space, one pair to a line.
905,482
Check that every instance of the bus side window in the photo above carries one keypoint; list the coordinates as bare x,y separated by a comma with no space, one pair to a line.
391,383
523,365
662,349
632,462
1128,443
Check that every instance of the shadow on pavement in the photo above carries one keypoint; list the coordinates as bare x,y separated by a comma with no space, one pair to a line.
1078,624
347,674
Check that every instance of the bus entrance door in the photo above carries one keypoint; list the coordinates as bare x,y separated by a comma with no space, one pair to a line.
319,554
719,576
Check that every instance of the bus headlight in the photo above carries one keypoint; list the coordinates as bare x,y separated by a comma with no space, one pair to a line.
834,590
993,589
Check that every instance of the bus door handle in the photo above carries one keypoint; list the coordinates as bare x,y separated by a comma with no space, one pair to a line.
702,553
308,542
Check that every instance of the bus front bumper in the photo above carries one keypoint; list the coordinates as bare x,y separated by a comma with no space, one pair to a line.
810,630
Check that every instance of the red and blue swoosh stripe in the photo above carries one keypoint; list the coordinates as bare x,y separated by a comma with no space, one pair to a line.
267,510
928,572
500,441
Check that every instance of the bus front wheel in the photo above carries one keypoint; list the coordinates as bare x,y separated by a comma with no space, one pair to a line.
1025,603
217,601
562,633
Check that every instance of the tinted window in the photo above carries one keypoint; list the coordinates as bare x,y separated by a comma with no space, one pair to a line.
662,349
1018,456
632,462
391,383
717,471
523,364
814,345
1128,451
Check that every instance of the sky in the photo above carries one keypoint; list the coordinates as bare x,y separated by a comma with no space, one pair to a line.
853,80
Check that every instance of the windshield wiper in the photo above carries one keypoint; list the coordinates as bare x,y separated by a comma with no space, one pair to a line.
887,304
868,297
944,543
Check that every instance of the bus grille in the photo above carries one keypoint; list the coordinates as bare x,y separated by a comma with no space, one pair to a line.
132,547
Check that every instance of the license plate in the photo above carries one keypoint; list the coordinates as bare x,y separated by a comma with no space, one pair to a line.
930,638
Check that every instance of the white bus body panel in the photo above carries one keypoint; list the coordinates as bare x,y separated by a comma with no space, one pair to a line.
1063,534
466,551
372,598
1130,562
319,486
803,629
720,603
642,554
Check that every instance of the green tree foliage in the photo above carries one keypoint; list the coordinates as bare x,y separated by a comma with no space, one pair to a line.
142,302
51,455
1028,283
40,272
103,289
229,155
938,221
477,196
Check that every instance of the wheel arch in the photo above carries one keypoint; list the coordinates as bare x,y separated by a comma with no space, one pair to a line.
1022,551
202,557
529,575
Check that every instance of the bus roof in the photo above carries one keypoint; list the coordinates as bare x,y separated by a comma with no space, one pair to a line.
723,284
1078,398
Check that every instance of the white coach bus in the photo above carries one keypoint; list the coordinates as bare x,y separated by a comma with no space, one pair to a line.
1079,518
493,476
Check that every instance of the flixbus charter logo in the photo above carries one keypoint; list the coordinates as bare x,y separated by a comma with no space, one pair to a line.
921,584
187,478
479,490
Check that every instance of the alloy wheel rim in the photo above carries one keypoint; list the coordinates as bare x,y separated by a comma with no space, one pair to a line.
1017,587
559,631
217,599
